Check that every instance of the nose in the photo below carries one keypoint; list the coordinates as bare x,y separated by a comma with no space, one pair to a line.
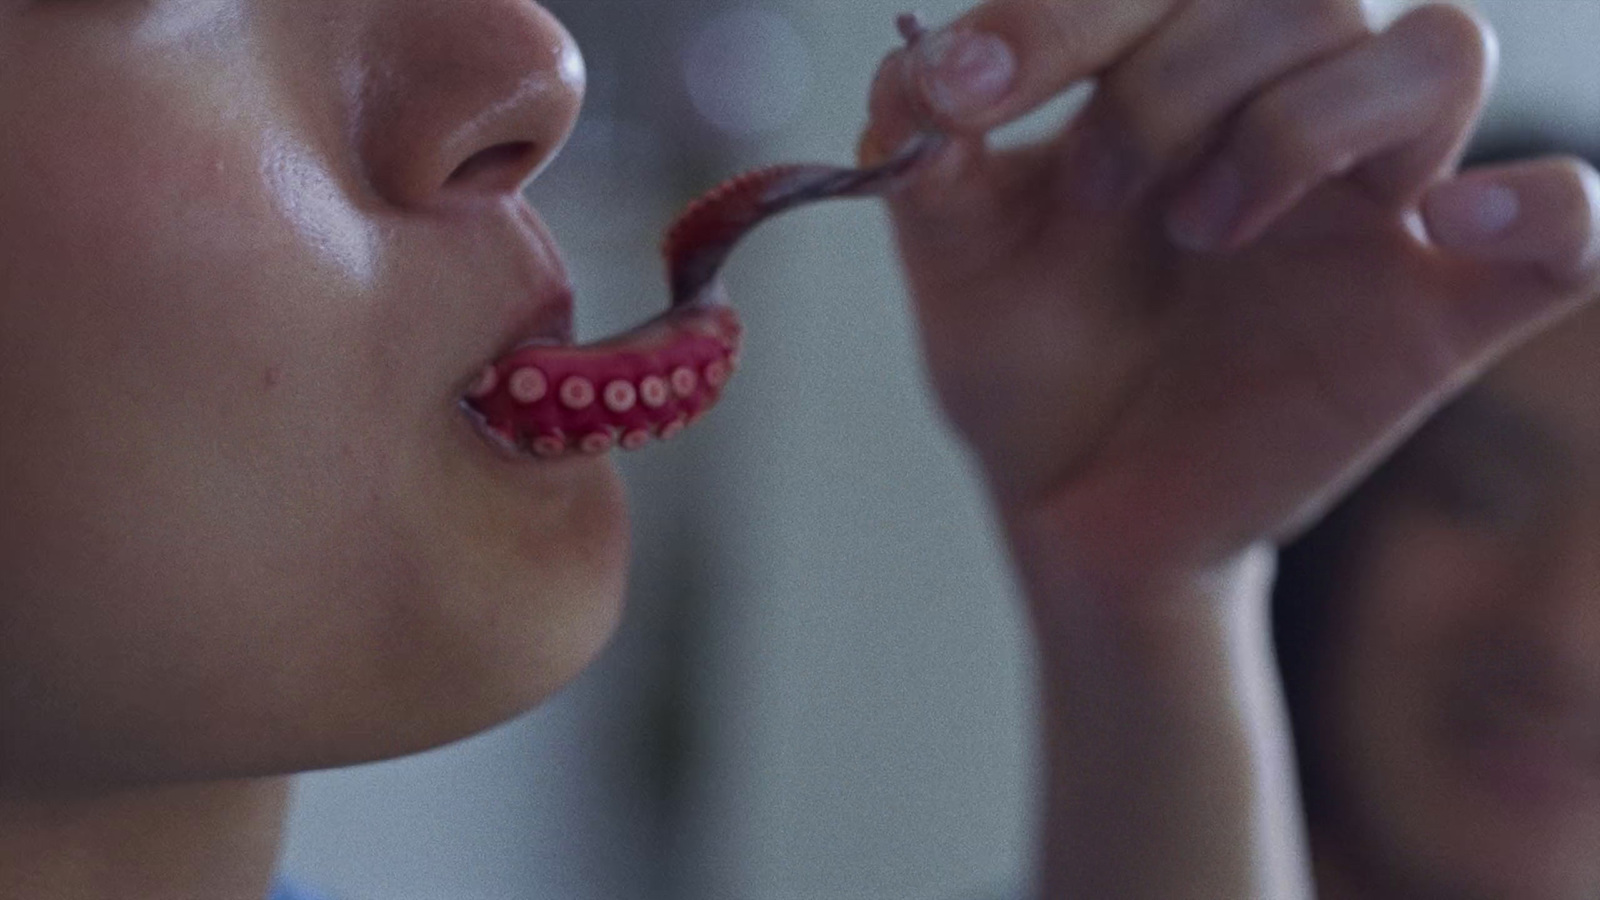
465,101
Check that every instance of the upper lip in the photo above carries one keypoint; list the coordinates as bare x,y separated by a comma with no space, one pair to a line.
541,310
548,319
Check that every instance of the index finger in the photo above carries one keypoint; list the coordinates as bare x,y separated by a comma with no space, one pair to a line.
1026,51
1055,44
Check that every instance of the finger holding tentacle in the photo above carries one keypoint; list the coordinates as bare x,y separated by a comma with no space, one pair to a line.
1392,111
1168,77
1000,61
992,66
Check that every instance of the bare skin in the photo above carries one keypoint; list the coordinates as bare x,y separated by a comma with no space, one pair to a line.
250,533
1186,396
247,271
204,840
1460,704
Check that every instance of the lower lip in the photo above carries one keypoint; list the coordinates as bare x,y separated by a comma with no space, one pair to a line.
494,448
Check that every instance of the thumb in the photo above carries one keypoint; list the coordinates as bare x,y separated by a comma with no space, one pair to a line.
1530,234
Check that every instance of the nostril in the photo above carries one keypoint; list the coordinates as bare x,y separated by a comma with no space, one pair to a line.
502,167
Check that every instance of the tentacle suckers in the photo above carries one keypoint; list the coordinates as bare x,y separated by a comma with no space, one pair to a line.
647,384
650,383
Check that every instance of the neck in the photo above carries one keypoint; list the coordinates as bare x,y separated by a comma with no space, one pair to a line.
214,840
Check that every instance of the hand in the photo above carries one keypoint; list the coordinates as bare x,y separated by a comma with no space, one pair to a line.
1230,285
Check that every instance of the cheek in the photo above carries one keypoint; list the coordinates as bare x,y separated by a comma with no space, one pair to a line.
135,256
167,289
153,341
235,474
172,449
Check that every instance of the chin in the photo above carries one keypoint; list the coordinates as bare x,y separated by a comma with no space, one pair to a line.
507,619
487,620
415,604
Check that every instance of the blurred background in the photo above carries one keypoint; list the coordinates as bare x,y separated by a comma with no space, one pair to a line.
822,688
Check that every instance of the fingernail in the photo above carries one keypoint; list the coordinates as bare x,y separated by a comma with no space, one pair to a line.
1465,213
1203,216
965,73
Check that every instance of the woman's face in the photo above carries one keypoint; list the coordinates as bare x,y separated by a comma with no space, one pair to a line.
253,253
1459,714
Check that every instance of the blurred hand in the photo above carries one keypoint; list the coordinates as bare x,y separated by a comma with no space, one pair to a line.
1189,322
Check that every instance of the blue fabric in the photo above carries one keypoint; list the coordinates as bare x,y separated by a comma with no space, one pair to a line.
284,889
